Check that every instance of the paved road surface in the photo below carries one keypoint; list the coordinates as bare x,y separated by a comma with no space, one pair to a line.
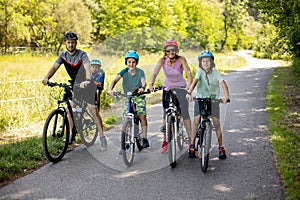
248,172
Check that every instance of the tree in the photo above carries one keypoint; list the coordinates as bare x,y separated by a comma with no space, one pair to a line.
284,14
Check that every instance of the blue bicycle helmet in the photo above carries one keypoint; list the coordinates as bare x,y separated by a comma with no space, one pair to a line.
70,36
96,62
205,54
132,54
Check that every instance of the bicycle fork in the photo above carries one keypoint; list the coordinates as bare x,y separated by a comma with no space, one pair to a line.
207,135
130,117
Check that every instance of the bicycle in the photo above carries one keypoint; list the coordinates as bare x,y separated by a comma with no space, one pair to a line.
205,128
56,132
174,126
130,133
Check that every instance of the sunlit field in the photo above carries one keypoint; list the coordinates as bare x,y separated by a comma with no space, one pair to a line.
25,102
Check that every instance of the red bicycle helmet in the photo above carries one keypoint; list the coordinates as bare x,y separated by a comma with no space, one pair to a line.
170,42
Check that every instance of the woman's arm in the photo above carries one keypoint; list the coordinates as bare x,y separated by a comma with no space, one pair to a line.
155,72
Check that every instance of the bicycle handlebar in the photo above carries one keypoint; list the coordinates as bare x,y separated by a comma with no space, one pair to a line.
63,85
213,100
135,93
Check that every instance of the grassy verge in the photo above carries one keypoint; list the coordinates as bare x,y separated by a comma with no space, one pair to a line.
283,97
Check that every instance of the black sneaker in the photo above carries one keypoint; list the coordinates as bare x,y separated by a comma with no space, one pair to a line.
192,151
222,153
145,143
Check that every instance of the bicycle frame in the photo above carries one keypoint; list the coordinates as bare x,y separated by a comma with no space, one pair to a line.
57,126
173,114
131,115
130,130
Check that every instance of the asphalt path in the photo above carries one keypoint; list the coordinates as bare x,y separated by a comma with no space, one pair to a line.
248,172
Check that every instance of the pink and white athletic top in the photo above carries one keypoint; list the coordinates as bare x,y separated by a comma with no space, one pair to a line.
173,75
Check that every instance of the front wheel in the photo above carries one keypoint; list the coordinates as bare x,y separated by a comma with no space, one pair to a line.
180,136
127,143
55,136
171,140
89,132
205,146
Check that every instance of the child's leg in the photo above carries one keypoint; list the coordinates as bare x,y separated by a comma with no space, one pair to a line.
144,125
218,130
195,128
188,127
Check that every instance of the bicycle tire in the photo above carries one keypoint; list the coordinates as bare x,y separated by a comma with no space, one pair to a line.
89,132
180,137
206,142
56,135
127,145
171,140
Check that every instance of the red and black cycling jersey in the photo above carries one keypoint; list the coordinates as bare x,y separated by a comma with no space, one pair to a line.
74,64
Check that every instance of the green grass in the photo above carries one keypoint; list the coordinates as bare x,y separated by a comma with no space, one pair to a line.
16,158
21,120
283,114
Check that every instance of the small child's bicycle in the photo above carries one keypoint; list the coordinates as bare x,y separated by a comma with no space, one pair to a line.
205,128
56,133
130,133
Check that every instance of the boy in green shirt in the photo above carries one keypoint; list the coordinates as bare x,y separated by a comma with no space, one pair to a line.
133,78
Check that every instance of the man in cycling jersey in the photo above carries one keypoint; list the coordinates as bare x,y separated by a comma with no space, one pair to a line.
77,65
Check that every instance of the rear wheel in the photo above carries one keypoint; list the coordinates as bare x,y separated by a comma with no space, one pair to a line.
170,131
55,136
89,132
127,144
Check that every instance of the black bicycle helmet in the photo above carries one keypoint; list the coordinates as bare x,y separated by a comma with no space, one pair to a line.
70,36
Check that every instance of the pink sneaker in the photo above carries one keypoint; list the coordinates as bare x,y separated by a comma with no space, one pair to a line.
164,147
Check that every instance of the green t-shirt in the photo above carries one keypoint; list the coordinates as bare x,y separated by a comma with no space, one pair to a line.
131,82
208,86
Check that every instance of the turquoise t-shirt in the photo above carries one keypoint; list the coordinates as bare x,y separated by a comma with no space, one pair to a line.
208,86
131,82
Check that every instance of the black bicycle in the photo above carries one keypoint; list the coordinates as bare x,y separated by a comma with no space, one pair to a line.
205,128
56,133
174,126
130,133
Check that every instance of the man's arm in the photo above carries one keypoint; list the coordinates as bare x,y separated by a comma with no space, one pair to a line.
50,73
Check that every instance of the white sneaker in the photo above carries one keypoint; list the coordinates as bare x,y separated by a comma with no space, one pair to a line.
103,143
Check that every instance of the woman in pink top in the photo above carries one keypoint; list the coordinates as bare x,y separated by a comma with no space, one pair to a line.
173,66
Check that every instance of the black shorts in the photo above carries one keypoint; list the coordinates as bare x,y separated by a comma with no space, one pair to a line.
215,109
88,93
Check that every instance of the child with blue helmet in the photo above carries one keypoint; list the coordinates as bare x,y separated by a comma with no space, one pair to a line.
98,76
133,77
207,82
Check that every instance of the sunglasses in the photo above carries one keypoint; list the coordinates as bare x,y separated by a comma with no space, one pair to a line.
169,50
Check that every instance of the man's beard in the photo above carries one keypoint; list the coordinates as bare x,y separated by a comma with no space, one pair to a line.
69,50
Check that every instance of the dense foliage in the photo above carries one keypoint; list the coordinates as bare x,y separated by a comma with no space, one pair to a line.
211,24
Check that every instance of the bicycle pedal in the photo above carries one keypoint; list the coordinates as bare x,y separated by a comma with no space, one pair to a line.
187,140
